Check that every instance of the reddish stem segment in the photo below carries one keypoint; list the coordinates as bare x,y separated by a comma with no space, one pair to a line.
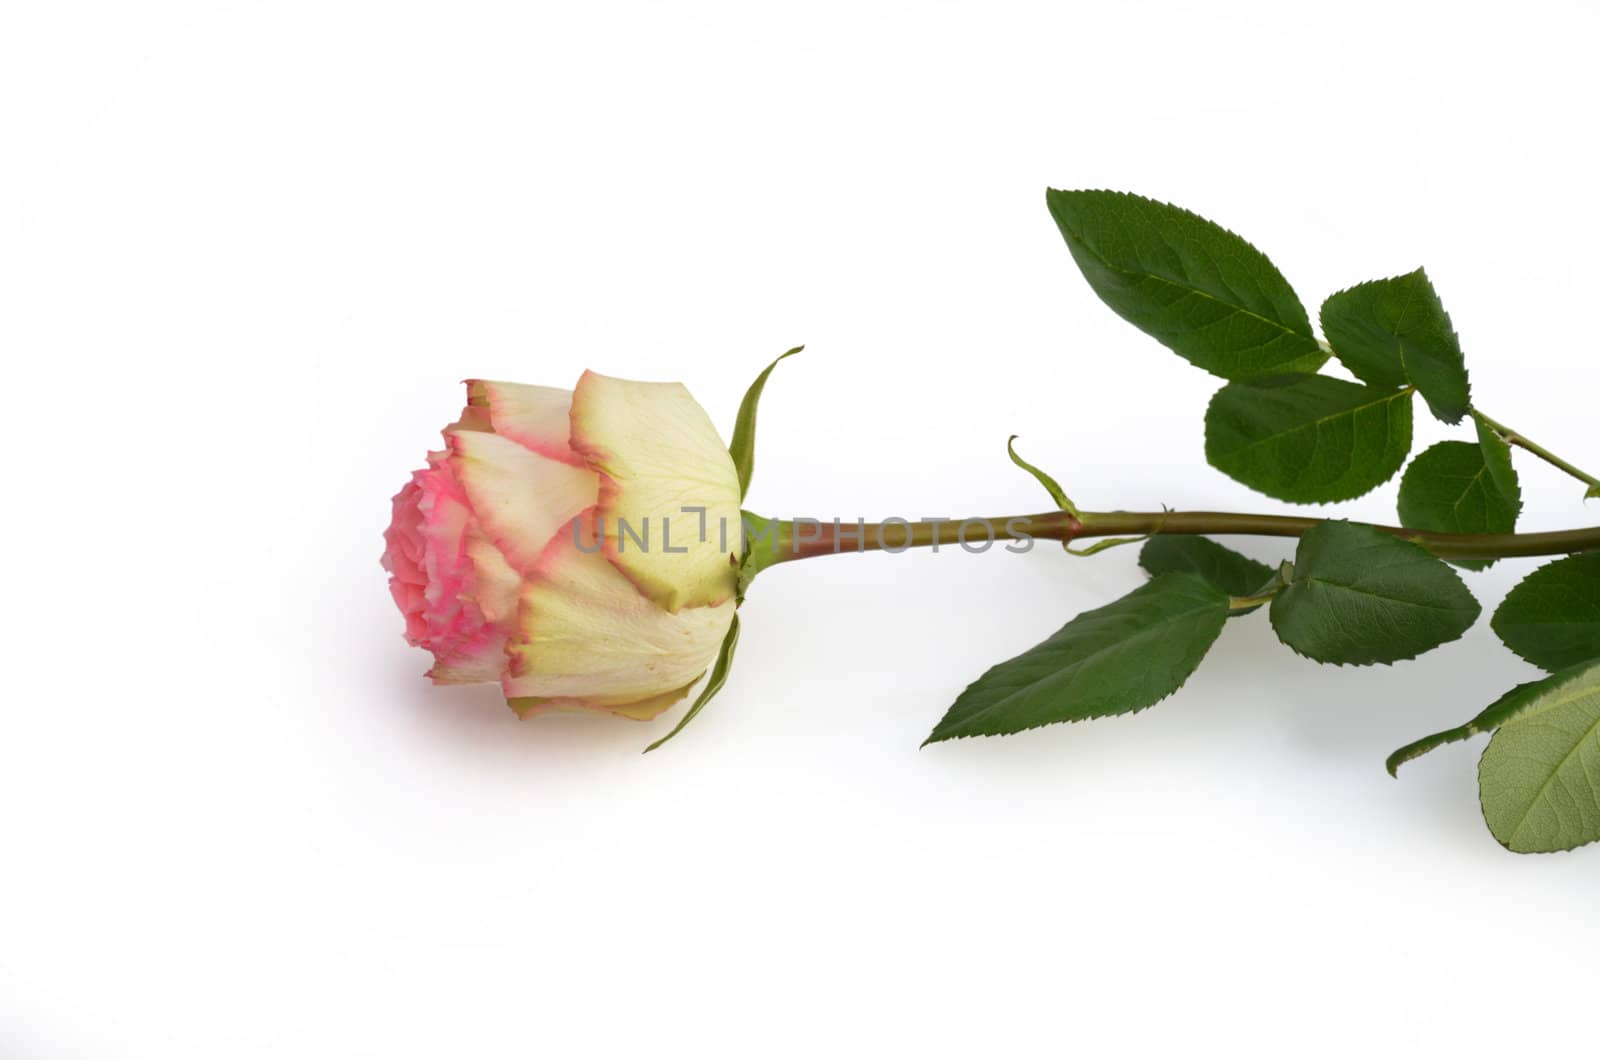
805,539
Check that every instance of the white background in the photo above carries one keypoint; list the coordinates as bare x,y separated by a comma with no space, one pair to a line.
251,249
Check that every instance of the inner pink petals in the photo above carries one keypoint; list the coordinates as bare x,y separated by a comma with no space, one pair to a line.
431,576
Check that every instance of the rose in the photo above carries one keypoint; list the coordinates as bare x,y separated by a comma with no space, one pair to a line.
509,556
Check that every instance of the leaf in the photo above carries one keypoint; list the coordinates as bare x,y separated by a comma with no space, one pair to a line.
719,677
1539,778
1309,438
1393,332
743,446
1552,617
1195,287
1224,568
1497,457
1449,487
1361,596
1491,717
1113,660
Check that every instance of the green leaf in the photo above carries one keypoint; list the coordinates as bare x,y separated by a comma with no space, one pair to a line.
719,677
1539,778
1309,438
1552,617
1450,488
1193,286
1393,332
1492,717
743,446
1234,574
1497,457
1113,660
1361,596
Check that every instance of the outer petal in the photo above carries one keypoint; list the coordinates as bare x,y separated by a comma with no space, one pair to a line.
535,417
642,710
587,638
658,454
521,498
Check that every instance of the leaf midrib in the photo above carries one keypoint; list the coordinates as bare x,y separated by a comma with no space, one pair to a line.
1544,788
1323,580
1177,285
1319,421
1144,634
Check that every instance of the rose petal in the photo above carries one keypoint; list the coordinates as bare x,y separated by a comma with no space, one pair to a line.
521,498
437,583
585,633
641,710
472,660
658,454
535,417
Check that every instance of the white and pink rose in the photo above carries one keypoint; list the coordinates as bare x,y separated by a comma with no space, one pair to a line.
505,559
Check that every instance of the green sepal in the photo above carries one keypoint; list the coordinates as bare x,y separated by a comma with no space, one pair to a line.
760,547
1044,478
718,678
743,446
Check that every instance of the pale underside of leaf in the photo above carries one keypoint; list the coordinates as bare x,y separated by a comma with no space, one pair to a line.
1539,778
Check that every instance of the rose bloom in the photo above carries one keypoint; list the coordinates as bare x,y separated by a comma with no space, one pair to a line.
504,552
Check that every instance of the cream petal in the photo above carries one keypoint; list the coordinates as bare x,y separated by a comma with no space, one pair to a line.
659,455
535,417
638,710
483,658
520,498
585,633
495,583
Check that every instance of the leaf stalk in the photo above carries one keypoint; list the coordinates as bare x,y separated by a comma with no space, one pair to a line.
1522,441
